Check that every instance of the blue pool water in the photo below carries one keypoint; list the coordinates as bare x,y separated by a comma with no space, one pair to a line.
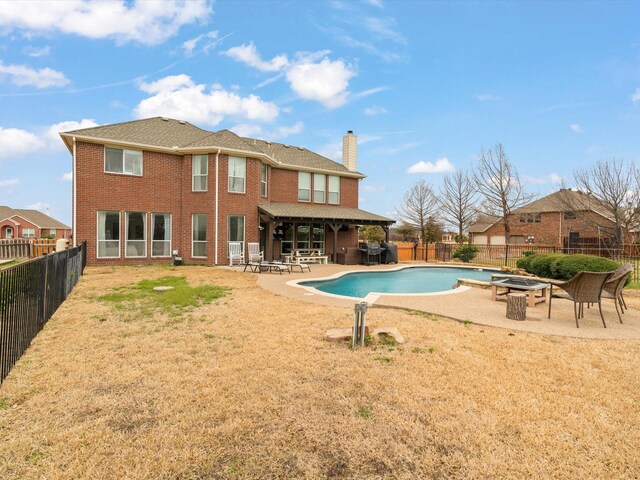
406,280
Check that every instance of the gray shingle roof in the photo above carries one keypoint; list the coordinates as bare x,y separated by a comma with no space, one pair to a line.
33,216
482,223
322,212
177,135
565,200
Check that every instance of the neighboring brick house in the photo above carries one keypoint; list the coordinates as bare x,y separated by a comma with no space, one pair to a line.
25,223
549,220
145,189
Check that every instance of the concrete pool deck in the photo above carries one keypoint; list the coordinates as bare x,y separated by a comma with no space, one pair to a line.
472,304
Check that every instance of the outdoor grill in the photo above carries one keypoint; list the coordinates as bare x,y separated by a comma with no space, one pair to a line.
371,253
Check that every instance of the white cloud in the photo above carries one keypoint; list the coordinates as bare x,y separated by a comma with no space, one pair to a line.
36,52
145,22
178,96
487,97
67,177
383,28
552,178
375,3
375,110
287,131
210,41
636,96
249,55
15,142
256,131
442,165
22,75
52,134
325,82
247,130
576,127
12,182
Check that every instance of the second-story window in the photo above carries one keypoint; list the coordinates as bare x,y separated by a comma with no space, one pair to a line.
304,187
319,187
237,174
263,180
128,162
334,190
200,172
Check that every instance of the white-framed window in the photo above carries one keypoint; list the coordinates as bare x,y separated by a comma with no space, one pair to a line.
200,169
199,235
136,227
52,231
317,236
161,235
263,180
128,162
286,244
302,236
28,232
235,229
304,186
237,174
334,190
319,187
108,235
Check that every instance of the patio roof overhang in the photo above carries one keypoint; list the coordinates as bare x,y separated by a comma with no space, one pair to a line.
296,212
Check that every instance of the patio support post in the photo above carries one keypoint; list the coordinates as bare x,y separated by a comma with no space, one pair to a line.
269,240
335,227
386,233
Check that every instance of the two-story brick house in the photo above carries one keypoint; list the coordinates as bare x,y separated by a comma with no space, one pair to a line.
146,189
563,218
29,223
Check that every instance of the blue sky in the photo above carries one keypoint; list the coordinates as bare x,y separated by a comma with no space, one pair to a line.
425,85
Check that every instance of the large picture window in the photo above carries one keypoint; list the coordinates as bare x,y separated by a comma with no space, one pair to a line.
108,234
237,174
304,186
334,190
199,235
236,229
302,236
263,180
200,167
28,232
319,187
117,160
286,244
136,245
161,235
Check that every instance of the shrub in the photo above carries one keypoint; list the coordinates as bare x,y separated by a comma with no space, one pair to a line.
466,253
562,266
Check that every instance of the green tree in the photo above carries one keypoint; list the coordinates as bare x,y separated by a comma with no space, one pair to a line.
372,233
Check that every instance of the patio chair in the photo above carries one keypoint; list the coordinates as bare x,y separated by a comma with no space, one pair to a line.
236,253
613,287
584,287
253,250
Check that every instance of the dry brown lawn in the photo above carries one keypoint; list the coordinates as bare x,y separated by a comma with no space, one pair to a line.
247,387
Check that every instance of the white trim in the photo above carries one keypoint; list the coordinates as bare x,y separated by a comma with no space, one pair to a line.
329,192
124,151
6,231
375,295
310,187
216,208
199,241
266,181
244,232
324,189
170,235
126,234
13,221
98,238
193,175
244,184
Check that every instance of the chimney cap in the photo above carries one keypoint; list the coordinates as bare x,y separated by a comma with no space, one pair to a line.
349,132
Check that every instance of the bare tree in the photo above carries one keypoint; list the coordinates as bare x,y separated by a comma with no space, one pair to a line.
498,182
611,188
419,206
457,201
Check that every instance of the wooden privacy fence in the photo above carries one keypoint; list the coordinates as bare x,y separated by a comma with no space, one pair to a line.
408,251
30,293
26,247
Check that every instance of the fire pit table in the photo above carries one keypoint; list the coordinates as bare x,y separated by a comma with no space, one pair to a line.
536,291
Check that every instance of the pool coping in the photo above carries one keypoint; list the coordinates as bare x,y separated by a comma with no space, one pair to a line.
372,297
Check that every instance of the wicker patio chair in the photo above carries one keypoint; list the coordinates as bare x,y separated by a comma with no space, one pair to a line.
584,287
613,287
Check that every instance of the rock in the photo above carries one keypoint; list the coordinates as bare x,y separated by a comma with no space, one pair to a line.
338,334
162,289
382,333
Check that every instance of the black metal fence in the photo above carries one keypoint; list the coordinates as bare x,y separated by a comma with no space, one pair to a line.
30,293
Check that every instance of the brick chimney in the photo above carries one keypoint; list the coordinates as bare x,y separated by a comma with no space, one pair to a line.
350,151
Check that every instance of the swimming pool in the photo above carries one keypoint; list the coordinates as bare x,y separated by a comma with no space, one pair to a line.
408,280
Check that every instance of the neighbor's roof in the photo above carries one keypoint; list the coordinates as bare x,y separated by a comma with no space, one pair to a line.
483,223
565,200
322,212
178,136
35,217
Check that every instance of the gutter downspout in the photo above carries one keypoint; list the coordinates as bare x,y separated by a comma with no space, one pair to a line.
216,208
560,230
74,195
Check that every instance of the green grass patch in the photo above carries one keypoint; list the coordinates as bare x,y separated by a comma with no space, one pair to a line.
4,403
364,412
181,298
633,286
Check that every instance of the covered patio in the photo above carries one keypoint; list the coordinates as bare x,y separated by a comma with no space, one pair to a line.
331,229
